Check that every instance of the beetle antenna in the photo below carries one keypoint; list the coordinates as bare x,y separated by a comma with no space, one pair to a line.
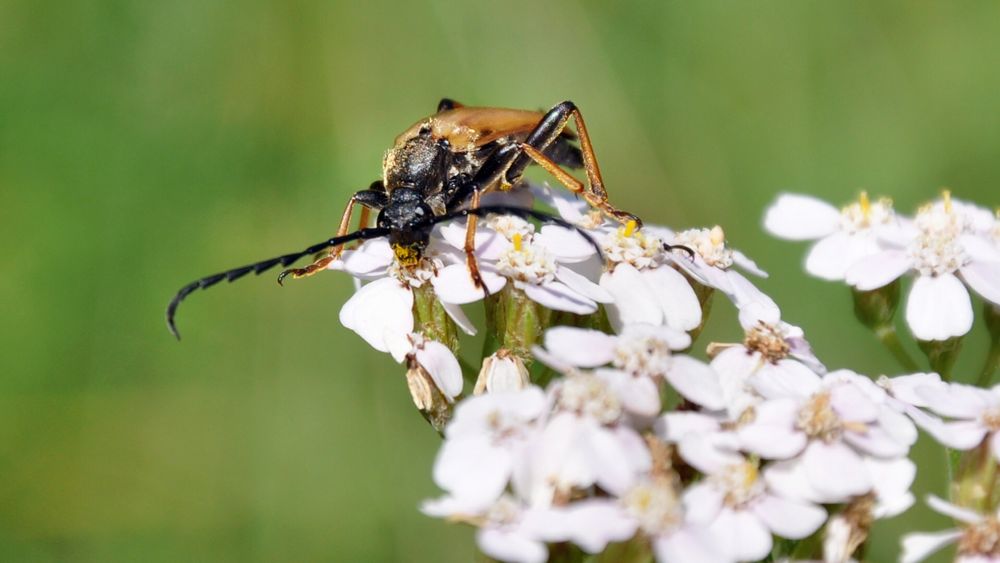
524,213
262,266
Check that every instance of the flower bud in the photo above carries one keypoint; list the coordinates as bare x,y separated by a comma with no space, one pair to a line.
502,371
429,400
876,308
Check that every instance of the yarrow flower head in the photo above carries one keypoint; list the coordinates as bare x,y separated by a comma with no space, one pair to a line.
944,250
843,236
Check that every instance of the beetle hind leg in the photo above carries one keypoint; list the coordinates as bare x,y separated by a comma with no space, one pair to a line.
547,132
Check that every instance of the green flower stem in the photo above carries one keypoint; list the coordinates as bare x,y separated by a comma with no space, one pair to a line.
975,481
942,354
431,320
889,338
990,367
991,314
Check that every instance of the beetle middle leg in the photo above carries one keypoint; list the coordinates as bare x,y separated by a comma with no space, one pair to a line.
372,198
470,245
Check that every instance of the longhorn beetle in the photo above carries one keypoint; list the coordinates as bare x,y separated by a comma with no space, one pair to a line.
437,170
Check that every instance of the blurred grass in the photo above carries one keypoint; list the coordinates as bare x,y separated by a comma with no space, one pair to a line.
145,144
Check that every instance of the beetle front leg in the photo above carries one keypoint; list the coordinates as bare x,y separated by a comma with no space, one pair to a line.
369,199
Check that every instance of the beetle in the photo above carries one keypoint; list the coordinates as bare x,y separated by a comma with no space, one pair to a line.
436,171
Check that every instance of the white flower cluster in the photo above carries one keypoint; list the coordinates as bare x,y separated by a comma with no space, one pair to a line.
948,245
592,427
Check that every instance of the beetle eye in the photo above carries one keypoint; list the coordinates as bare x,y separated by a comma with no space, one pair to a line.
425,130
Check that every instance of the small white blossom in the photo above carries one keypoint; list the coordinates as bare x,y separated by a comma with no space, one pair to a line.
646,289
843,236
483,442
714,264
978,537
773,355
735,503
945,250
641,356
381,311
584,442
975,414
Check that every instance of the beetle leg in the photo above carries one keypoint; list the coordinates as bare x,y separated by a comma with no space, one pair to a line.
547,131
470,245
369,199
577,187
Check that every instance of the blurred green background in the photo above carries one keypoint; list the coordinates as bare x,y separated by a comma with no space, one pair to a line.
144,144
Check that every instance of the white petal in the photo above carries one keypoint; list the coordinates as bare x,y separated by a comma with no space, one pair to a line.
787,378
984,278
875,271
979,248
688,545
462,321
961,435
789,518
639,395
614,469
954,511
743,261
957,400
830,258
673,426
567,245
905,387
892,480
919,545
454,284
448,506
442,366
509,546
938,308
747,539
580,284
877,442
695,381
558,297
852,404
709,453
472,469
368,260
632,298
801,217
489,244
580,347
593,523
788,479
898,425
835,470
702,502
680,306
772,434
381,312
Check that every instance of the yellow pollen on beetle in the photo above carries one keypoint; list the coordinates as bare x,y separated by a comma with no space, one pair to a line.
517,239
630,228
406,255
